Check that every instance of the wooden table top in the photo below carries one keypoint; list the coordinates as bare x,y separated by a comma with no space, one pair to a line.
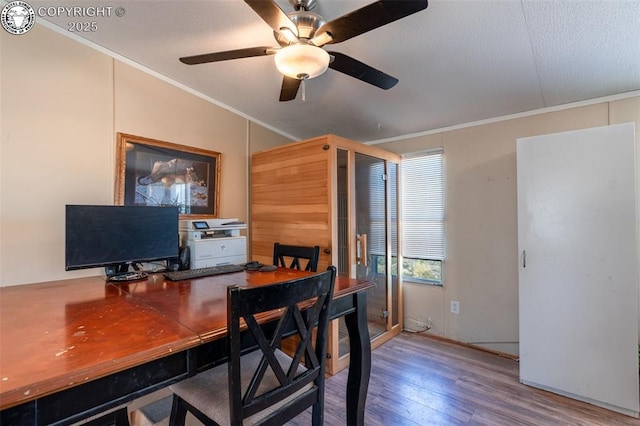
58,334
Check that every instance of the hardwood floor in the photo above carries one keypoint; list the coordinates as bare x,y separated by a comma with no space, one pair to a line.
417,380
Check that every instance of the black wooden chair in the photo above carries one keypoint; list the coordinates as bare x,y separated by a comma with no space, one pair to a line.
283,252
265,386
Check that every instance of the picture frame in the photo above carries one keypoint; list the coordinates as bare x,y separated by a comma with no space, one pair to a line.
156,173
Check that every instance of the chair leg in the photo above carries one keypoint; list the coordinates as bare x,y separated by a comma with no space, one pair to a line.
317,414
121,417
178,412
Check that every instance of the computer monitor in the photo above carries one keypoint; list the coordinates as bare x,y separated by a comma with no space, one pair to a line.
116,237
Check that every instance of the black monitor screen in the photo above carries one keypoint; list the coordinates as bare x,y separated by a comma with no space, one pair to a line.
115,235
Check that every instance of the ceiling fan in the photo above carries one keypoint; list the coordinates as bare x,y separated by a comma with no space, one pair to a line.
302,35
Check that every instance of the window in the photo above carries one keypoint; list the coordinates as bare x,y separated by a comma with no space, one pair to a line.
423,217
377,206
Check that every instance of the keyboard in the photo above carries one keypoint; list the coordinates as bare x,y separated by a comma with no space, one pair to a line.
189,274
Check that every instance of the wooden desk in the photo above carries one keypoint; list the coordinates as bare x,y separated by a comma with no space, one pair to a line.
74,348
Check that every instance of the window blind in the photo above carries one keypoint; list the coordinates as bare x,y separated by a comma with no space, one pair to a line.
377,209
423,206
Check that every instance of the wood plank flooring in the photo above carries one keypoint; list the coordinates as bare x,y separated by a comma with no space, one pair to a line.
417,380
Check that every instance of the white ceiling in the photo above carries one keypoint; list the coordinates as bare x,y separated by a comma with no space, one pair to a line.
458,61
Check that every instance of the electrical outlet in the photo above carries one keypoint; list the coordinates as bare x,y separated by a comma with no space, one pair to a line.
455,307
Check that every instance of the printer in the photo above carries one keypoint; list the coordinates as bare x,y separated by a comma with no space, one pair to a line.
214,242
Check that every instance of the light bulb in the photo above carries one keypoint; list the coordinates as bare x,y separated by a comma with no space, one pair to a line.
302,61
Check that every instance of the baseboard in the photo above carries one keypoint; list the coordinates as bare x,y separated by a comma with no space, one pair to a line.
469,345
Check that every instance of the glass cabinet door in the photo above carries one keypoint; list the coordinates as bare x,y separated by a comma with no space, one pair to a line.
368,236
371,237
392,186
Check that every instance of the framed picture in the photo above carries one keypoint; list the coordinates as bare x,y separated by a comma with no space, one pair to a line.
156,173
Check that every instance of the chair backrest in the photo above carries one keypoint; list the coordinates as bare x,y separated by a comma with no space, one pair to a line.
295,254
298,306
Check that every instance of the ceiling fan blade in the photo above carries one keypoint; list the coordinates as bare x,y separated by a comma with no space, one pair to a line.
271,13
289,88
354,68
228,54
366,19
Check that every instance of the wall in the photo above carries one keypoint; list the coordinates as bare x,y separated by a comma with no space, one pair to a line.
480,269
61,104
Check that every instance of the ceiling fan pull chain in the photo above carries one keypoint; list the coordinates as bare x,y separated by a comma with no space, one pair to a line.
304,97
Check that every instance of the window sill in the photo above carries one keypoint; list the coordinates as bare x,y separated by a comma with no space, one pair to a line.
422,282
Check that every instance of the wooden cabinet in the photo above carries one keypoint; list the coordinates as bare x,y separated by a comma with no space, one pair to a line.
343,196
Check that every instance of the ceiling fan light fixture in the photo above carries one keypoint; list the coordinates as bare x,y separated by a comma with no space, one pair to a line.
302,61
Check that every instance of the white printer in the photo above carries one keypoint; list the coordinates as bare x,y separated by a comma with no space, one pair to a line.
214,242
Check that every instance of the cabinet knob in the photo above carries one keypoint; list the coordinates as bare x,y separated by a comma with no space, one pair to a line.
327,251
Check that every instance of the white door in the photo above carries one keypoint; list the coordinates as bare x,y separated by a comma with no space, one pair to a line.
578,273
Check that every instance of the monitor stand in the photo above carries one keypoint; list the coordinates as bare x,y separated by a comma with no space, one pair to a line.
121,273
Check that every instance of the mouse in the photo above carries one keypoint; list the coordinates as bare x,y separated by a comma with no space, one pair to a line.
268,268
